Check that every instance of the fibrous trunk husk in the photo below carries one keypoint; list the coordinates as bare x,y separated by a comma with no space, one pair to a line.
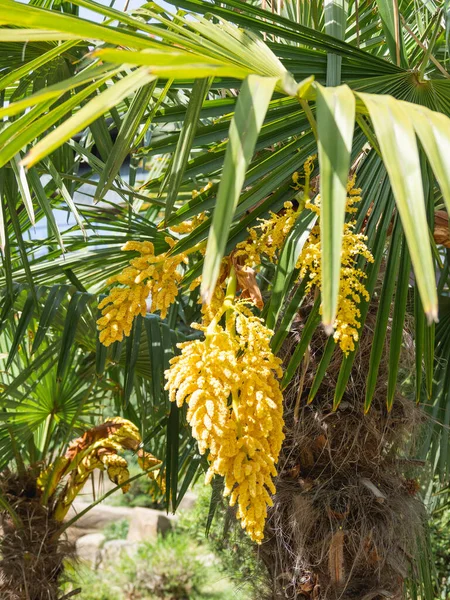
32,553
346,520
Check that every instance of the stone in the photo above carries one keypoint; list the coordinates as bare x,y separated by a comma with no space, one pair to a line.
88,548
208,559
94,520
147,523
114,550
188,501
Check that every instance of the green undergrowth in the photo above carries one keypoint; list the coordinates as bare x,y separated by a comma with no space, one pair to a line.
183,565
237,554
172,568
440,541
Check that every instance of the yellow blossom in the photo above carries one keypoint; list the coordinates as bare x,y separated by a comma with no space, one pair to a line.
196,193
189,225
156,278
353,195
351,286
229,381
268,237
210,309
120,308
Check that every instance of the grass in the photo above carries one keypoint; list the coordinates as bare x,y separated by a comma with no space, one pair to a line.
117,530
173,568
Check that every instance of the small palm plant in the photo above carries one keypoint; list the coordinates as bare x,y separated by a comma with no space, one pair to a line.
44,471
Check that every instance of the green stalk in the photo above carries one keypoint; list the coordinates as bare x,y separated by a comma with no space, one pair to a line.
429,50
227,306
229,297
309,115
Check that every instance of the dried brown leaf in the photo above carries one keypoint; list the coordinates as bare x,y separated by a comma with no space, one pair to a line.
246,278
90,437
336,558
441,228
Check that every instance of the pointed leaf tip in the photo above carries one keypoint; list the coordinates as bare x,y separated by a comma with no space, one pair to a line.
24,188
304,87
206,295
432,315
328,328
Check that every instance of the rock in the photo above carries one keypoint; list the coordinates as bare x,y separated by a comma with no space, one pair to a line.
188,502
113,550
88,548
147,523
207,559
96,519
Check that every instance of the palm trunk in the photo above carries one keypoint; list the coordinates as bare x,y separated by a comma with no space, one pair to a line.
345,521
32,554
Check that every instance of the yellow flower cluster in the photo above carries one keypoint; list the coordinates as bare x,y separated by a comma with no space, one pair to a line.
196,193
187,226
156,278
209,310
229,381
353,195
268,237
351,286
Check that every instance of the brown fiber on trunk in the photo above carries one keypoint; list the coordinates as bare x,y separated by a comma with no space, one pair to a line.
346,517
32,554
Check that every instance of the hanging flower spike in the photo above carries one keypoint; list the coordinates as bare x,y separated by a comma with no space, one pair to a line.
244,436
156,278
351,286
308,167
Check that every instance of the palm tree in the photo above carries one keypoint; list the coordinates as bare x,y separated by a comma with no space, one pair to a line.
224,107
45,405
